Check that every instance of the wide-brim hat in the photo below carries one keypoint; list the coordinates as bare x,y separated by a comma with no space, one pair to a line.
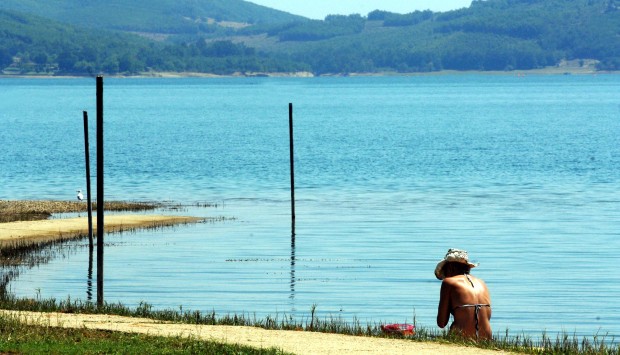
453,256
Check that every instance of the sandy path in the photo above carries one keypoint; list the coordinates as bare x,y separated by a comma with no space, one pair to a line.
298,342
56,229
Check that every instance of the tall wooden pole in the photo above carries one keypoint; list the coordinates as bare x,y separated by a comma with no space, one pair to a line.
88,194
292,156
290,128
100,197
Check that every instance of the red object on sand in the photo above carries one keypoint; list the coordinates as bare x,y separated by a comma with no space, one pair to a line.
403,329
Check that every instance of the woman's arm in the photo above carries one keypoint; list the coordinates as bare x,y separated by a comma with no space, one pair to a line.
443,311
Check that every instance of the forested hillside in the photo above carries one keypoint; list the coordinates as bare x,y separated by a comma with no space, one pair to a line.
32,45
227,36
152,16
489,35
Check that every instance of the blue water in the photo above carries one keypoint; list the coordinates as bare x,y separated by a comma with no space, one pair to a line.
523,172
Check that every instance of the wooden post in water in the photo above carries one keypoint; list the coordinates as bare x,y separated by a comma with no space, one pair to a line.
100,197
292,155
88,194
290,128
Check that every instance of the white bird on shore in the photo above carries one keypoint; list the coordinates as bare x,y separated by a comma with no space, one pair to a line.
80,197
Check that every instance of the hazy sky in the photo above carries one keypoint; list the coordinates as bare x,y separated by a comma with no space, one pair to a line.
318,9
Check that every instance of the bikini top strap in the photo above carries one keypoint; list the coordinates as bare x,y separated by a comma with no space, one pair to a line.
470,281
473,305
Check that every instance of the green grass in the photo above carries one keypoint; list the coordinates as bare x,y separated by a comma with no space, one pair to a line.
17,338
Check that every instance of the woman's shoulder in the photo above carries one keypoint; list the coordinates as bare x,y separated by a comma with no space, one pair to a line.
455,280
477,279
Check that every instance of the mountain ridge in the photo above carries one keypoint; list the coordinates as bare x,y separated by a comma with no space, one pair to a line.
148,16
213,37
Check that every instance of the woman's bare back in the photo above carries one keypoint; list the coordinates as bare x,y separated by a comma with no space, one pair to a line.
467,299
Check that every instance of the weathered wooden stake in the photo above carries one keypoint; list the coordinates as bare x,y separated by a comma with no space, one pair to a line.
290,128
100,196
88,194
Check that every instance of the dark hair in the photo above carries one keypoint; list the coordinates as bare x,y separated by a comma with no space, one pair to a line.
456,268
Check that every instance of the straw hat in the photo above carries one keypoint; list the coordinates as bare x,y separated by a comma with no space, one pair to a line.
453,255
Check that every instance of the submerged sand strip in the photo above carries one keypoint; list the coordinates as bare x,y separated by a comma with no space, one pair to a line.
297,342
33,232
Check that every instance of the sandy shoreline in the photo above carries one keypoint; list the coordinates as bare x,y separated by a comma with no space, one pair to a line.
298,342
567,68
33,232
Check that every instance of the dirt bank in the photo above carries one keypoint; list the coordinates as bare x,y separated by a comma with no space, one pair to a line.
32,232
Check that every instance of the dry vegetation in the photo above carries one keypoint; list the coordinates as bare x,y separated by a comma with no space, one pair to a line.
13,211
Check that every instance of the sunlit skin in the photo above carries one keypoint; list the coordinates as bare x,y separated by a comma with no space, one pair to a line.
457,290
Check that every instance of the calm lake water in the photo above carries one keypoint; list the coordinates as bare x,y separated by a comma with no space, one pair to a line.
523,172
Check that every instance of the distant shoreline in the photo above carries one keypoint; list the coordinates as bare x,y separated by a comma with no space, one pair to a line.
559,70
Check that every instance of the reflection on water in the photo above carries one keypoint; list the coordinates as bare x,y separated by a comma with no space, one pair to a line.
292,297
89,278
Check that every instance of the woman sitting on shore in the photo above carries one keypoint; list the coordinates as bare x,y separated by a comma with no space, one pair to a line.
464,296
